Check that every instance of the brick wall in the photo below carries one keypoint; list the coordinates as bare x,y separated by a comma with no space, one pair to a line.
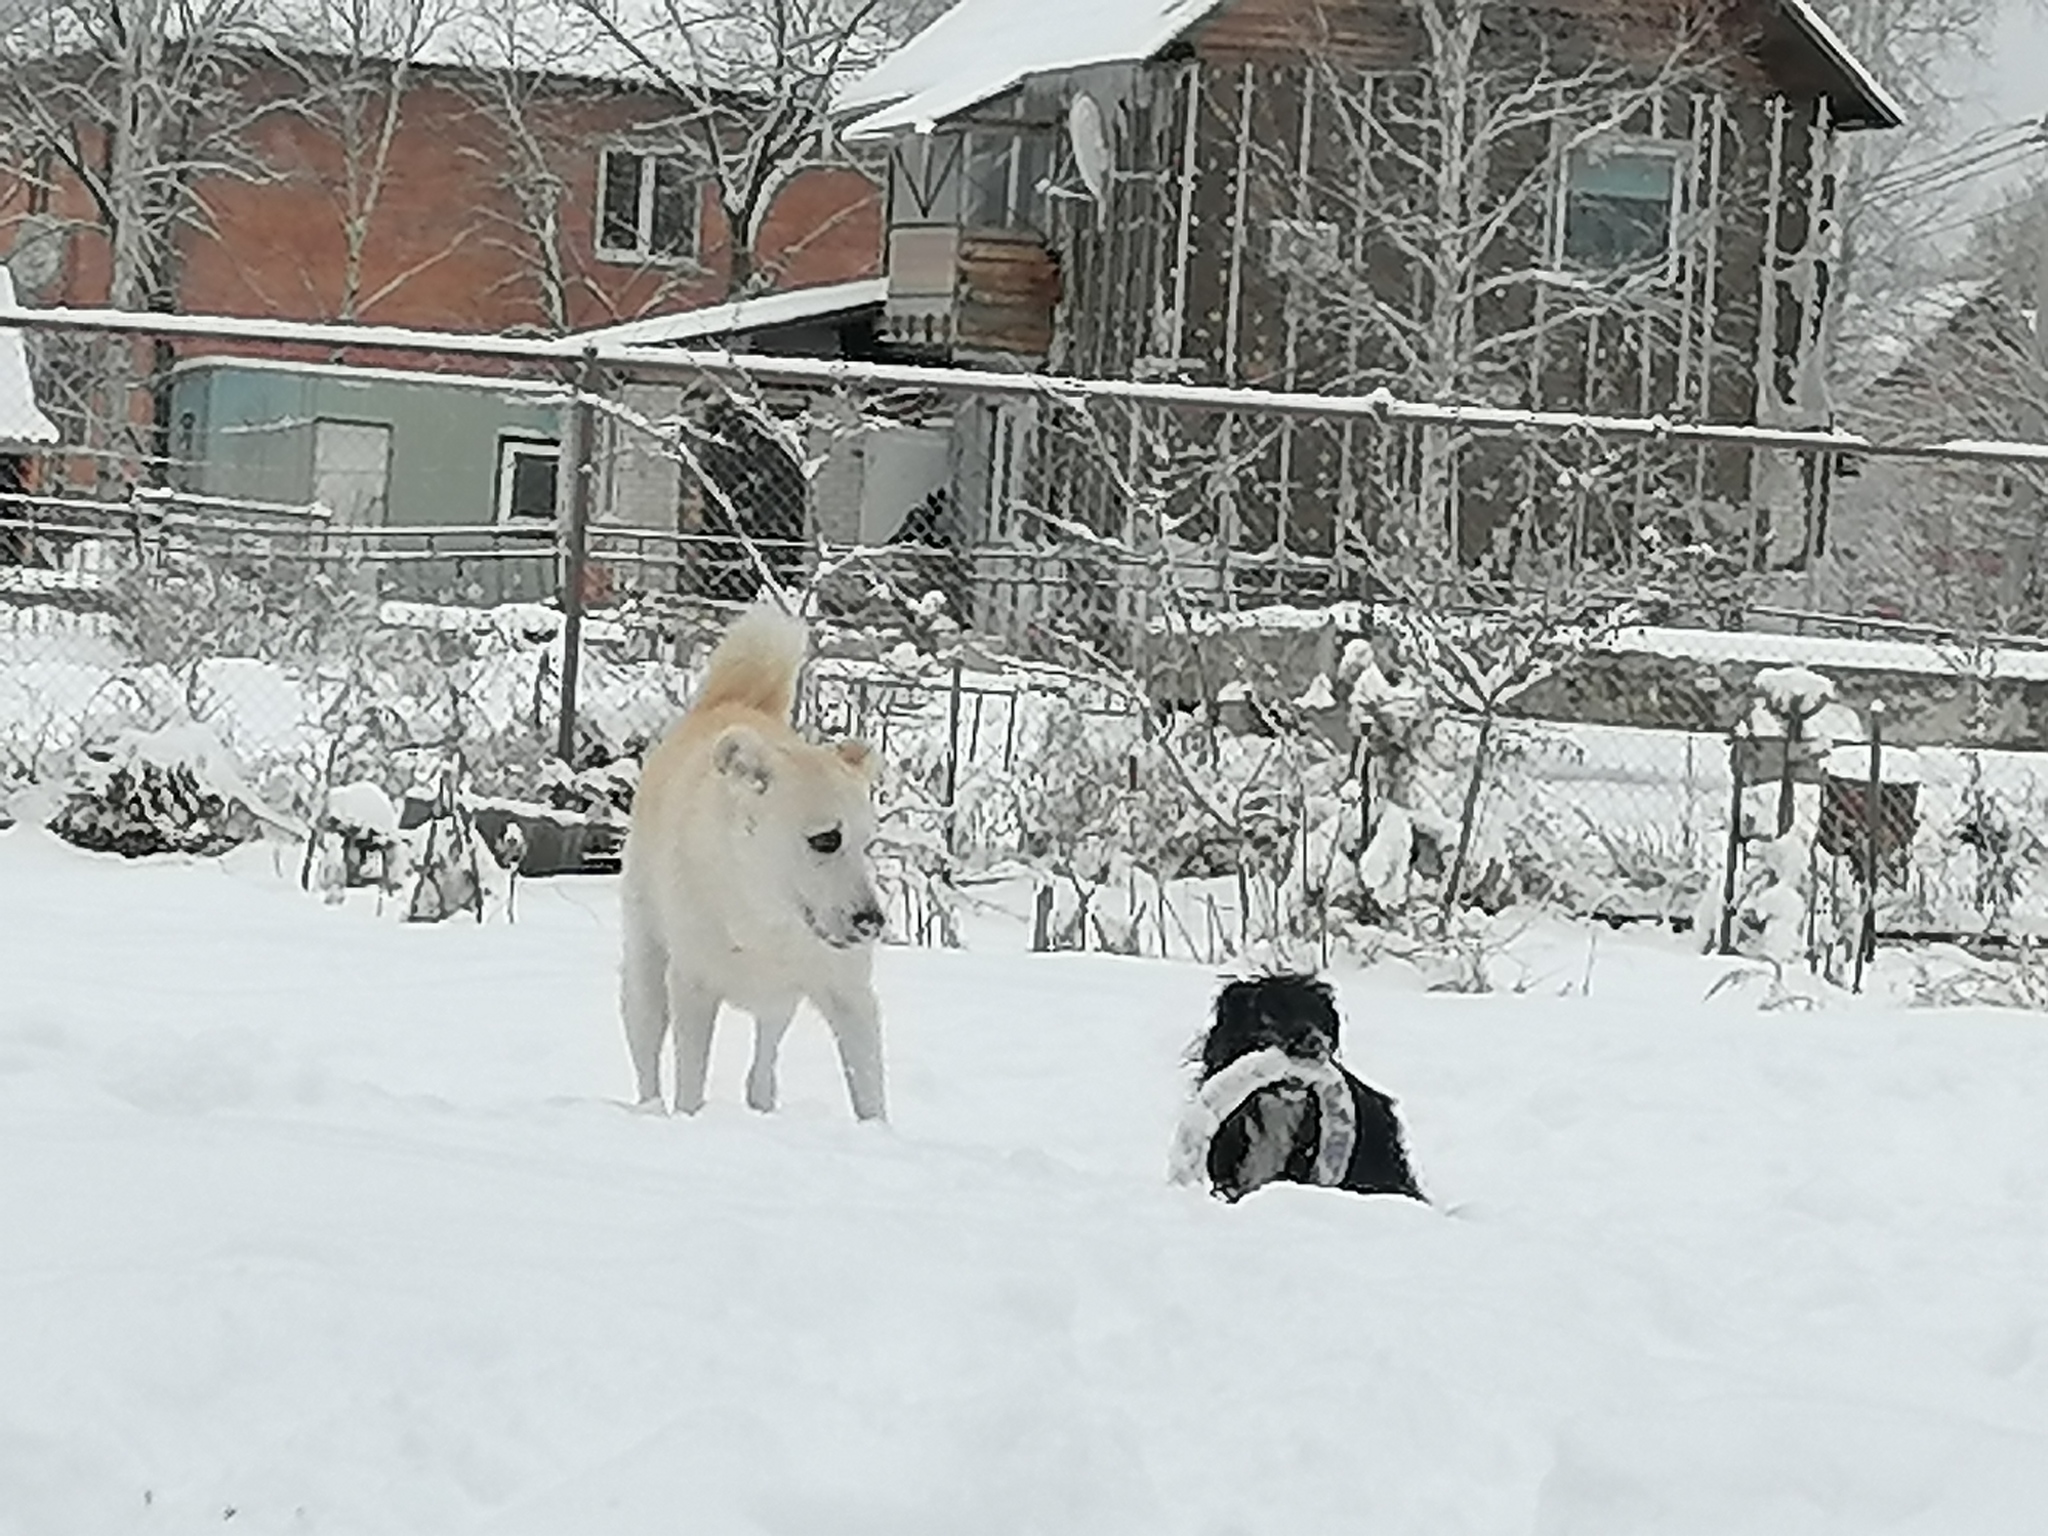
446,244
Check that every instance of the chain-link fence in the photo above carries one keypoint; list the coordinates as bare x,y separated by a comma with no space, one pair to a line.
1193,671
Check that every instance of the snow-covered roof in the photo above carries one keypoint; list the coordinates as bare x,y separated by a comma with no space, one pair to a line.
22,422
743,315
694,41
1830,43
1895,330
360,373
1833,654
982,48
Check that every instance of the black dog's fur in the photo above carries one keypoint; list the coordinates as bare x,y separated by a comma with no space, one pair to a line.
1297,1014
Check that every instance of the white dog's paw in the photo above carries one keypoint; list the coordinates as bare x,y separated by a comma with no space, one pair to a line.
653,1106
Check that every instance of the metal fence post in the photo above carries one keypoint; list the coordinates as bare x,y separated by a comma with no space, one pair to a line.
953,759
1726,938
575,547
1873,829
1788,806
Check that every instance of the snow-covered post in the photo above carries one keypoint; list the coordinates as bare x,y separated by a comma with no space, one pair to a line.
1738,747
952,739
1792,697
575,547
1796,706
1786,801
1873,827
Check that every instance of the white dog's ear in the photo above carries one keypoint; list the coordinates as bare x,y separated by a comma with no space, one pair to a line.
858,756
740,755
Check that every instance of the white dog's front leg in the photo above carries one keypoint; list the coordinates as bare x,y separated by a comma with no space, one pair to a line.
693,1011
856,1022
770,1025
643,1003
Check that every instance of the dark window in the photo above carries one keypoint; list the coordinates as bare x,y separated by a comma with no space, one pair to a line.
526,481
672,222
1617,207
647,206
619,228
1004,172
988,180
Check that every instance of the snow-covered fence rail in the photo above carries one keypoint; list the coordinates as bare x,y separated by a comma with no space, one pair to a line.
1050,511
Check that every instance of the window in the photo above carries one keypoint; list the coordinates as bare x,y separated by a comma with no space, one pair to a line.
1617,207
527,468
1004,169
647,207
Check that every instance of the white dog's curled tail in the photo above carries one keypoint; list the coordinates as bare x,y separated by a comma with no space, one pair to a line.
756,664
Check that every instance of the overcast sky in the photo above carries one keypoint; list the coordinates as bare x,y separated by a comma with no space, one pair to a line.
2017,84
2011,88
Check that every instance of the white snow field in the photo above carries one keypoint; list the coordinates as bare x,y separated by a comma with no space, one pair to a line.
314,1222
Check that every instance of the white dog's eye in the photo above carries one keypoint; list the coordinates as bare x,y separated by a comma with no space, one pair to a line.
825,842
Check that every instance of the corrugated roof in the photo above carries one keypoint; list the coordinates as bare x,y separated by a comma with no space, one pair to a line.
22,422
982,48
759,314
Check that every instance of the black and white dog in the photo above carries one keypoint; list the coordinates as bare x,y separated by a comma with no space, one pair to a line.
1274,1103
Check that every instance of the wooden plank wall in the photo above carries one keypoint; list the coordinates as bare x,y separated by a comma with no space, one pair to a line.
1179,268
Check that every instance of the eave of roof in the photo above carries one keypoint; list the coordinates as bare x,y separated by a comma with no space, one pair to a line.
981,49
769,311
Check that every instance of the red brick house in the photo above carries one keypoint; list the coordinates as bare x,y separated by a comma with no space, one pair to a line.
434,195
445,238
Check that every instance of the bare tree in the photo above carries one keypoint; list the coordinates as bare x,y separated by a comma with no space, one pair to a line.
754,81
1903,195
1954,542
1417,222
534,70
351,64
135,102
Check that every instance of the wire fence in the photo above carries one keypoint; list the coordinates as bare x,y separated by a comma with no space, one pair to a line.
1194,674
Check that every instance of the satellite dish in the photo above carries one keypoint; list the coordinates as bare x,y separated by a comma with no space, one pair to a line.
1091,146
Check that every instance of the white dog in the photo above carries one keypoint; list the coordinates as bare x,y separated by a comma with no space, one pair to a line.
747,879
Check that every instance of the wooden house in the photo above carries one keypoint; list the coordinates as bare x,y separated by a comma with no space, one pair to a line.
1598,206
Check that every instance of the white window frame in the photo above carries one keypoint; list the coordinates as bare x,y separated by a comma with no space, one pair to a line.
1669,150
512,448
642,252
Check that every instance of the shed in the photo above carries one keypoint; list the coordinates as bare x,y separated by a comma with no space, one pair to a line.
361,447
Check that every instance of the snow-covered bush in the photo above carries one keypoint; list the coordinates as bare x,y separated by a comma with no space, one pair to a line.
357,840
173,790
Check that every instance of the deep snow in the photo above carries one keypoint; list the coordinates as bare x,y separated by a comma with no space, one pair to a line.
316,1222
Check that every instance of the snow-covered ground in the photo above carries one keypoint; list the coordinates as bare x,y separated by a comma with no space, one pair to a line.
319,1223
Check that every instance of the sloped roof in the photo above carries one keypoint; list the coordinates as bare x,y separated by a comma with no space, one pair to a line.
1893,333
1889,109
982,48
743,315
22,422
696,42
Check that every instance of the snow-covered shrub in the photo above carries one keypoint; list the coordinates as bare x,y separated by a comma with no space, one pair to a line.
450,865
1774,905
361,825
173,790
